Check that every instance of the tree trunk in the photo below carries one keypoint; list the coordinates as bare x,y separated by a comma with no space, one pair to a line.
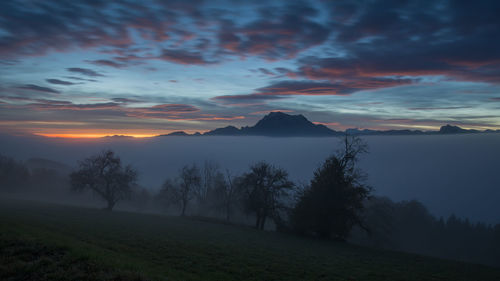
257,222
110,206
262,222
228,211
183,209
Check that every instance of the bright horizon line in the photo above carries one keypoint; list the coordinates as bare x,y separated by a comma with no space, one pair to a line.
142,135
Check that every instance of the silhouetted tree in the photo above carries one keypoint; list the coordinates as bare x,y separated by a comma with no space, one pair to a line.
169,194
105,175
206,188
331,205
189,181
226,193
264,187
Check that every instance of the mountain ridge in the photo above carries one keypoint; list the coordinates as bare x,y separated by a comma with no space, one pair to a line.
280,124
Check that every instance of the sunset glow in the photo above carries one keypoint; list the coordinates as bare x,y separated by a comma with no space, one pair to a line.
90,136
207,65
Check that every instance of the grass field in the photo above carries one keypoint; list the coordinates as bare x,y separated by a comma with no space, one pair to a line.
40,241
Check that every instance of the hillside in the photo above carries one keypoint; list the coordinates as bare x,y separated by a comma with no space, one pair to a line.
38,240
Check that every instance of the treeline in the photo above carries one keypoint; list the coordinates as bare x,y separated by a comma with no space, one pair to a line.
408,226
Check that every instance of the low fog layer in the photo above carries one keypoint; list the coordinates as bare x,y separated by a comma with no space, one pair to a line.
450,174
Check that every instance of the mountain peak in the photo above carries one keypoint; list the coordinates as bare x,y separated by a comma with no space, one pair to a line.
278,124
450,129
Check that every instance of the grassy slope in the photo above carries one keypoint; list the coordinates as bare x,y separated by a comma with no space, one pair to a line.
39,240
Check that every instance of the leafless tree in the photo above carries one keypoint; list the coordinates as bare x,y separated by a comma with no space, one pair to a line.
203,191
265,188
104,174
189,181
227,193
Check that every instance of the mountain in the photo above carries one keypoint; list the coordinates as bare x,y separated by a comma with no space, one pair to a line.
449,129
180,134
368,132
226,131
277,124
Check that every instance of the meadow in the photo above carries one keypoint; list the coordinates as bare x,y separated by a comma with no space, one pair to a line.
41,241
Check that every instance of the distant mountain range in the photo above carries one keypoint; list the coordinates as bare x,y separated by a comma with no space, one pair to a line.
279,124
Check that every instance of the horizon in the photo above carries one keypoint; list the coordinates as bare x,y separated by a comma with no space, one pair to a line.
204,133
142,69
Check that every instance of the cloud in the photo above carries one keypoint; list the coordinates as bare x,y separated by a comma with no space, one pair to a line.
439,108
80,79
411,38
184,57
125,100
277,33
54,105
264,112
290,88
62,26
59,82
85,71
37,88
109,63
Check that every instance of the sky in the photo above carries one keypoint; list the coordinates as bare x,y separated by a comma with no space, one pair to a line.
143,68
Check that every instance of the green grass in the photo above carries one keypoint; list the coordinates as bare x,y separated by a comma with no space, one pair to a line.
52,242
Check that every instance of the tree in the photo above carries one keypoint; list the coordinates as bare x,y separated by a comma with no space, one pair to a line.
104,174
189,181
265,188
226,193
333,202
204,190
182,189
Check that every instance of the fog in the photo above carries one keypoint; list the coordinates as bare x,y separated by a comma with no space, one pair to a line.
457,174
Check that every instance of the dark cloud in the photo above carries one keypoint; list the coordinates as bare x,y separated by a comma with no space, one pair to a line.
80,79
37,27
85,71
59,82
454,38
457,39
184,57
117,107
282,33
266,72
108,63
439,108
125,100
48,105
37,88
248,98
288,88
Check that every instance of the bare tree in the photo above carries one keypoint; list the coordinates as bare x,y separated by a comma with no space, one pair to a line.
226,192
203,191
189,181
265,188
105,175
